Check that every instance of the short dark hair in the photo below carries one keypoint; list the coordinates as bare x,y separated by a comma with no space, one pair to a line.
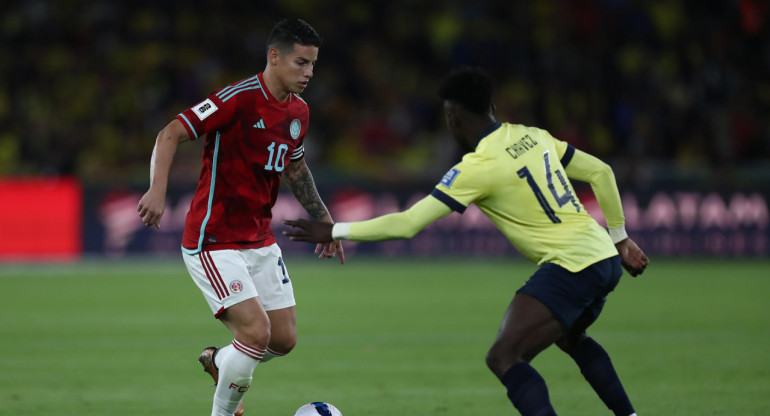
471,87
287,32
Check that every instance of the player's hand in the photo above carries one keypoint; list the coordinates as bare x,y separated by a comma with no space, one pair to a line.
330,250
632,257
316,232
310,231
151,207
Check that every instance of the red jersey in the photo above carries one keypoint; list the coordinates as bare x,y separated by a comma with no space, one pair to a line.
250,137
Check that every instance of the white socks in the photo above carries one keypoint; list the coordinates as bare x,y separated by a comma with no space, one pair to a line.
221,354
236,363
270,354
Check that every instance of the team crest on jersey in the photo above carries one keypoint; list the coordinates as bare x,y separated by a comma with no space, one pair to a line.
295,128
205,109
236,286
449,177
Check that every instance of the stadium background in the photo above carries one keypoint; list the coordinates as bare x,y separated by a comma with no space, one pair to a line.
673,94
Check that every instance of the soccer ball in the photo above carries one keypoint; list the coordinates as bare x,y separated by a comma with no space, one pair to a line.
318,409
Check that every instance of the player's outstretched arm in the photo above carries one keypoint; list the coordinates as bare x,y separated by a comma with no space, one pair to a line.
153,202
401,225
633,258
300,181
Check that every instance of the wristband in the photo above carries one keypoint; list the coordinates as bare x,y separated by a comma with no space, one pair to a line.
341,230
618,234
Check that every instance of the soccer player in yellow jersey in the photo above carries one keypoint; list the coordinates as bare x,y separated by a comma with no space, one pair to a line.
519,177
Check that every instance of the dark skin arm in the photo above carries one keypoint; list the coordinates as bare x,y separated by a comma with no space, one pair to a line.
632,257
300,181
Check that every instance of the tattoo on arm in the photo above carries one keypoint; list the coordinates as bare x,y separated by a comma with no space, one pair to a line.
300,181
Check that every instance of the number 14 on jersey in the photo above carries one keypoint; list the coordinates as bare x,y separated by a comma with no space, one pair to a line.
561,199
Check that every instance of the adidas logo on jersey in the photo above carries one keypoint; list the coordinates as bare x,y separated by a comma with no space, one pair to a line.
260,124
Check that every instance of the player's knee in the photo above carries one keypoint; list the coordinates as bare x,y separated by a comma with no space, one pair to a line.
254,335
283,346
501,357
493,361
255,341
283,338
279,347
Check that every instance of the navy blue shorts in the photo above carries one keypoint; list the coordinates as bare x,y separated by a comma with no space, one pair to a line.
574,298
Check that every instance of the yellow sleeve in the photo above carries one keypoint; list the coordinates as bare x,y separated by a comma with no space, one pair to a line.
401,225
587,168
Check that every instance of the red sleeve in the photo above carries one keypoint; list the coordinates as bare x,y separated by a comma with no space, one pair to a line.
209,115
302,112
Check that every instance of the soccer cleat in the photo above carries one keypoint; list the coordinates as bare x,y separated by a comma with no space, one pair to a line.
207,361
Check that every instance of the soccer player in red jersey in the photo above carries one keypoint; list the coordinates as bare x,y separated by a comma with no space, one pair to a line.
253,133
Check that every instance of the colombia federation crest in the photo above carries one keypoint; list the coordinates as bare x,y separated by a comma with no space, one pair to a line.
295,128
236,286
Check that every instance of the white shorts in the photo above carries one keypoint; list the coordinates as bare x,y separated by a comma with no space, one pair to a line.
227,277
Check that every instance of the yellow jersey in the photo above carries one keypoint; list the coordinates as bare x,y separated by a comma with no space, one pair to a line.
516,176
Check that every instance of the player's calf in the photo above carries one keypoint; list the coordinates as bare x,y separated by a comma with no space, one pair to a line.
597,368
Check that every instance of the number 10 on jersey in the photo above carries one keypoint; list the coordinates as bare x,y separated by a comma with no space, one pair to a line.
276,163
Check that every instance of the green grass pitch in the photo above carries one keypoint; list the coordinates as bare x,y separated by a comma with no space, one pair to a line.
377,337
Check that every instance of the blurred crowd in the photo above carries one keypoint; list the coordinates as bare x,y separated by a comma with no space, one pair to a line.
657,87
